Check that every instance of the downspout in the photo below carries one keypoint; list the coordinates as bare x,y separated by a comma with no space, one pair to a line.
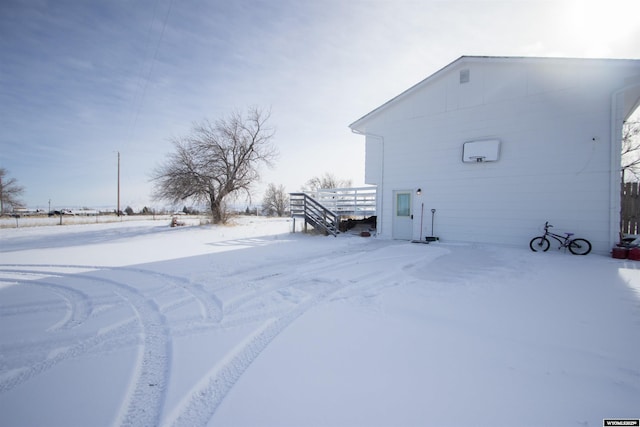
615,207
381,185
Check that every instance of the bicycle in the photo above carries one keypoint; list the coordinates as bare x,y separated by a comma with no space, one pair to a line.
576,246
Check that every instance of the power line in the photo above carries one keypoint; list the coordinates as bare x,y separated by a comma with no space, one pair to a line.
153,61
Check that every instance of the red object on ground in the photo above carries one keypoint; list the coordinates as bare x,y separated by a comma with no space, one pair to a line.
634,254
620,253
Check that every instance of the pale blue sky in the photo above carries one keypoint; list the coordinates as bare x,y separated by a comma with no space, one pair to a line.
81,80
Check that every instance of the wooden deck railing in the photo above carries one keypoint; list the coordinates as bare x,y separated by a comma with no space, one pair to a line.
353,201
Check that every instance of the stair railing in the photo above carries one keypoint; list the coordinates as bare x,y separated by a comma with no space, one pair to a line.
304,206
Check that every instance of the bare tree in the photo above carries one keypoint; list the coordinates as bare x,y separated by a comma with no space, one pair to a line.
10,191
275,201
217,160
629,162
328,180
630,149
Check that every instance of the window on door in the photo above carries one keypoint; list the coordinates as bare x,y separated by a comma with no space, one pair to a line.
403,204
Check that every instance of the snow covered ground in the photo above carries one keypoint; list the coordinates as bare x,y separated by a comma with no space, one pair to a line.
137,323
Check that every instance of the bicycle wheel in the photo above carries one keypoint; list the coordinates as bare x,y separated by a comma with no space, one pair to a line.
579,247
539,244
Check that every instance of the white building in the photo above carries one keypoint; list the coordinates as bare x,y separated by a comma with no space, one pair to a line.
499,145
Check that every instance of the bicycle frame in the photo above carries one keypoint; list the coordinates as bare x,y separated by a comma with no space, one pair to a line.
563,240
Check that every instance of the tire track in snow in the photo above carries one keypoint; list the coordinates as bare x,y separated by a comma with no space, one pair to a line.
274,307
151,373
144,401
211,306
21,356
20,375
78,303
199,406
286,279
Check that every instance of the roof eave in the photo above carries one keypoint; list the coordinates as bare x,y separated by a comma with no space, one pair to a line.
359,126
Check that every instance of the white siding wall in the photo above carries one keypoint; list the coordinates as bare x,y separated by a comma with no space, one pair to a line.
550,167
373,160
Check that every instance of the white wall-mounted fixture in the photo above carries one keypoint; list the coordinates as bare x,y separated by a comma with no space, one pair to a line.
480,151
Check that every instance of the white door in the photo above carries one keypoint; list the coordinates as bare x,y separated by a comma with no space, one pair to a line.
402,217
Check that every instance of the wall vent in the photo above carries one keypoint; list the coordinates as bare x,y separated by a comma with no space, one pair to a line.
465,76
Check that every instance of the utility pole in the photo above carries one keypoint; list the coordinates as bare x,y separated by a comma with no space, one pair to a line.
118,211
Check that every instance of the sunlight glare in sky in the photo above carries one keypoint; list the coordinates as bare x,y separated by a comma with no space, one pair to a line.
595,25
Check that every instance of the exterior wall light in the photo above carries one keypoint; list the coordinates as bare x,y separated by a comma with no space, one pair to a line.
419,191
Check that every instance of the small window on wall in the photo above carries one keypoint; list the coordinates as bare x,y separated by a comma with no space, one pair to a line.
480,151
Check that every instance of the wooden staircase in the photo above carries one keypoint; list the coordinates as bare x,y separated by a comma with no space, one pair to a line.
314,213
